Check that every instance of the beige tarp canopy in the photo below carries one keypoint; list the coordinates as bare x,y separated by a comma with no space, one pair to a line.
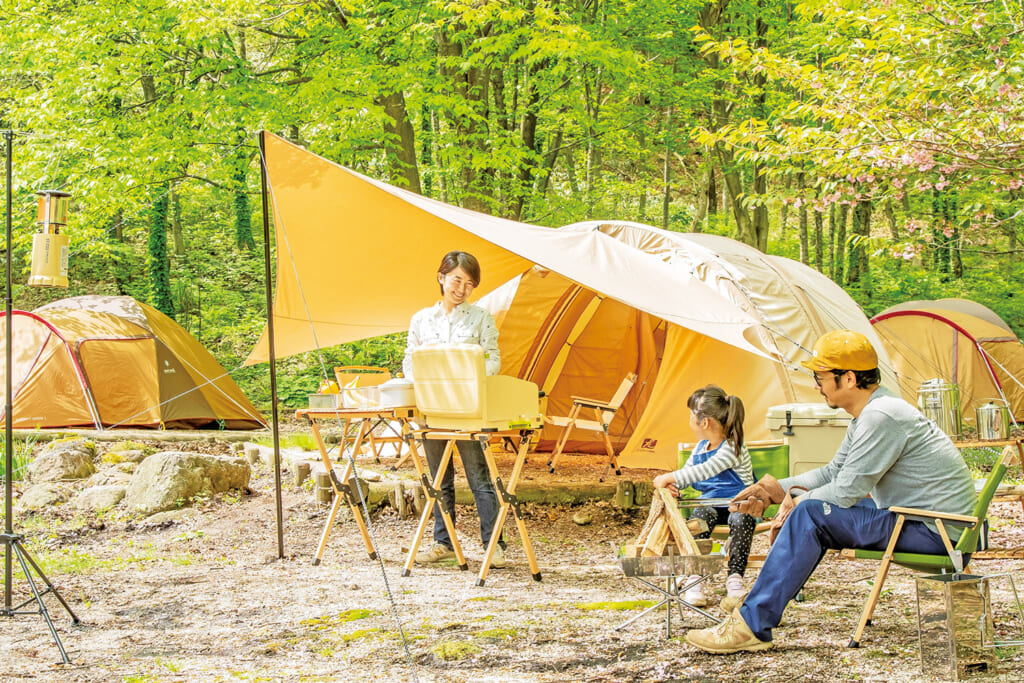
357,257
571,341
578,307
112,361
959,341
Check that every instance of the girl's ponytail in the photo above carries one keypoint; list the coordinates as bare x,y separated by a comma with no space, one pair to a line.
713,402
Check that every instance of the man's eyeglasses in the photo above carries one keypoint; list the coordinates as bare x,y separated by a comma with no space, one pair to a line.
835,373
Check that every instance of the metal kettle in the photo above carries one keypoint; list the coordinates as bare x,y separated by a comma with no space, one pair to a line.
993,421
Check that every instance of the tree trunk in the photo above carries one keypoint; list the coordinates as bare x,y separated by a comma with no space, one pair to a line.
704,199
784,213
844,216
176,232
734,186
159,272
666,172
550,158
831,272
853,262
400,142
472,85
890,217
802,220
819,256
243,212
427,148
528,133
712,193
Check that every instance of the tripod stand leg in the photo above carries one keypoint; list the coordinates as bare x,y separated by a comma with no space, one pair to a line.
22,556
50,586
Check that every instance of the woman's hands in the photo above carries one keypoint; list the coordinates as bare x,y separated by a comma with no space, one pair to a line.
667,481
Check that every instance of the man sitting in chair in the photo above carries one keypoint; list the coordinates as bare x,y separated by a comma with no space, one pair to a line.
890,451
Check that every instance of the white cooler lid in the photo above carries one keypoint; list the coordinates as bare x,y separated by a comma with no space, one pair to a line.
807,415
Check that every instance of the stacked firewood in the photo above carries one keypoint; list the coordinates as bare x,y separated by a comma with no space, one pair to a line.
666,532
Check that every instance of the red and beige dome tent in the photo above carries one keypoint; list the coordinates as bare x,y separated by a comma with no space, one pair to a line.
958,341
112,361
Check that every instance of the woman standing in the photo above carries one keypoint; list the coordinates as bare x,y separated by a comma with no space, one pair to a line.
453,320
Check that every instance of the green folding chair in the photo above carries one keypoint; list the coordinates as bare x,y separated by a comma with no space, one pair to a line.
956,557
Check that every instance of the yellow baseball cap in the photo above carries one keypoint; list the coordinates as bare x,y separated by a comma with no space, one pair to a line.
842,350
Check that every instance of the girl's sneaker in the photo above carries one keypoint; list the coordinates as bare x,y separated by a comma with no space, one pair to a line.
695,594
734,593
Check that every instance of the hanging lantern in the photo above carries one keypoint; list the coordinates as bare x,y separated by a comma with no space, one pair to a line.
49,247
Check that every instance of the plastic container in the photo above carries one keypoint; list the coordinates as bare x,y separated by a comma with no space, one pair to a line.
360,398
813,432
397,393
993,421
323,401
939,400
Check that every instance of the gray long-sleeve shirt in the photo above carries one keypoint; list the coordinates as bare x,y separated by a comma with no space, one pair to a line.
897,455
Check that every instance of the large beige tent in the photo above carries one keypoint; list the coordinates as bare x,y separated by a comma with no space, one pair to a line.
573,342
959,341
112,361
357,257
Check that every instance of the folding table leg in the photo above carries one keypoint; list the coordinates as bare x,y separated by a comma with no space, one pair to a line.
346,489
326,460
508,500
876,590
341,491
428,512
410,442
335,504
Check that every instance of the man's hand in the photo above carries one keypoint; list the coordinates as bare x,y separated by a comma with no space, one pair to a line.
785,507
667,481
756,498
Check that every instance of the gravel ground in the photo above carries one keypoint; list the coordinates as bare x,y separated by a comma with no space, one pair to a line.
206,598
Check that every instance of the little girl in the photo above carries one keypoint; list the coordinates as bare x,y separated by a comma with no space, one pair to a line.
718,467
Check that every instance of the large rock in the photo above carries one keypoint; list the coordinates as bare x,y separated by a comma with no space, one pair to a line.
62,460
109,477
168,480
99,498
42,496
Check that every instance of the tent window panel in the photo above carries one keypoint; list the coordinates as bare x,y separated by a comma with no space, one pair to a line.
135,395
52,394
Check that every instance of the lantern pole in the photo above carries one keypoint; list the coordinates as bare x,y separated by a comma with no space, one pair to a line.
12,542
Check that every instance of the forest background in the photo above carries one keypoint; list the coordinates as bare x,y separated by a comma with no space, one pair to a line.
879,141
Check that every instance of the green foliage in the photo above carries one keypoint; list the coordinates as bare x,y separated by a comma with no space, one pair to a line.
541,111
159,273
21,456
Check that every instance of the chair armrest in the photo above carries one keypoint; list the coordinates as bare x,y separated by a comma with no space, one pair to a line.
591,403
931,514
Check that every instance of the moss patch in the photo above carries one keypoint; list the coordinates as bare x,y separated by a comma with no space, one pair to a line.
618,606
341,618
453,651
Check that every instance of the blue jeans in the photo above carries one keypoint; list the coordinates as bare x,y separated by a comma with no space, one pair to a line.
813,527
473,461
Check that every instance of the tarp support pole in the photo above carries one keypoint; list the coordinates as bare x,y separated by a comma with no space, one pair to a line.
270,348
